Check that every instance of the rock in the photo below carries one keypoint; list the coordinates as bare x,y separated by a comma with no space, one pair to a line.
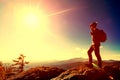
38,73
113,71
83,73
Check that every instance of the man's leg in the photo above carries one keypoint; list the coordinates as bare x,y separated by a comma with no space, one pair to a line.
90,54
97,53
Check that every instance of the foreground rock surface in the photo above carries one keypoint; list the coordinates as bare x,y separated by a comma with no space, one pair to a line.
38,73
85,73
110,71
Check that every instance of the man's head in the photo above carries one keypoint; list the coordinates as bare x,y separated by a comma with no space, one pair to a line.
93,25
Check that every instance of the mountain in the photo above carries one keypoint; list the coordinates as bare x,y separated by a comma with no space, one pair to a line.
67,64
68,61
85,73
38,73
56,63
74,70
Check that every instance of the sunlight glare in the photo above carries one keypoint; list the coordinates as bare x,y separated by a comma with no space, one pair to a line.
31,20
30,16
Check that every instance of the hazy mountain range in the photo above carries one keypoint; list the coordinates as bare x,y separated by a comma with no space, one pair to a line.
66,64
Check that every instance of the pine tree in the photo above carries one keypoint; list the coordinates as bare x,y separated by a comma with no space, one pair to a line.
20,63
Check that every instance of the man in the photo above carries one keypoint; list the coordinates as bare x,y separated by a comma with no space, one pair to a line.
95,44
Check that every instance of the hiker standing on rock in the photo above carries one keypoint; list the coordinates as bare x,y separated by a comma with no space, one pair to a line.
97,37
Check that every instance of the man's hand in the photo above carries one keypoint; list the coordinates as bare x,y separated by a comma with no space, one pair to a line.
91,33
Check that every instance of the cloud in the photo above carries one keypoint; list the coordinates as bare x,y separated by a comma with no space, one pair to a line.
81,50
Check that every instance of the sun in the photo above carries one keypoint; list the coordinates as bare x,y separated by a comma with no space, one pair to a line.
33,17
31,20
30,16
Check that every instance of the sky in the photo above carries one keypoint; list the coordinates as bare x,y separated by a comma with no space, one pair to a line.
48,30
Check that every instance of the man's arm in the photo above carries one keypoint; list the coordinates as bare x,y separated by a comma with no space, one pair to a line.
91,33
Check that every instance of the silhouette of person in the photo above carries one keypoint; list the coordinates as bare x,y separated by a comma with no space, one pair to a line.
95,46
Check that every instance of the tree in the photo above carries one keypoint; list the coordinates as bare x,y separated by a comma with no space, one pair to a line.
20,63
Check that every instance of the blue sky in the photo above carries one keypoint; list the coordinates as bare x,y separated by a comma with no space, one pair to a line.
105,12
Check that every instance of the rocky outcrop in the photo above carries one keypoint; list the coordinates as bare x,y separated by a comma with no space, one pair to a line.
38,73
85,73
110,71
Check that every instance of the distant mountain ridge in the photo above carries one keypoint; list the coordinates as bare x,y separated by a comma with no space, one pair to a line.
51,63
66,64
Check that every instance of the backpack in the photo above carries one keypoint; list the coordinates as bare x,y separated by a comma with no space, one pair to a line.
102,36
